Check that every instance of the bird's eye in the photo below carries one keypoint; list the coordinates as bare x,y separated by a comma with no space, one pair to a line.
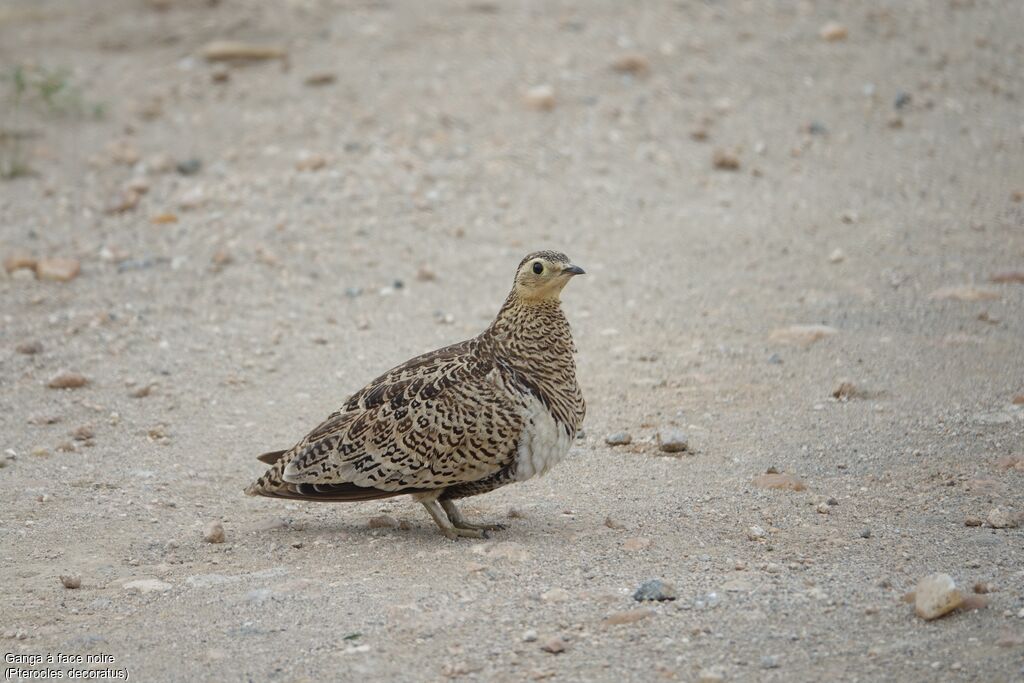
538,267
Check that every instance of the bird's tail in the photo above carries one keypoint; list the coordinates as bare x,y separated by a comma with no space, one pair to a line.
273,485
272,479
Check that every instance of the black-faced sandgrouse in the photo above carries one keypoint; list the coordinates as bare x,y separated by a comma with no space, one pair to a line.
460,421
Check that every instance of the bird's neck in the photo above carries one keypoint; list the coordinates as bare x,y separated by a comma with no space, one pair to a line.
524,322
532,341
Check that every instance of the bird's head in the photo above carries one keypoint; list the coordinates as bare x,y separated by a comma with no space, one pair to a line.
543,274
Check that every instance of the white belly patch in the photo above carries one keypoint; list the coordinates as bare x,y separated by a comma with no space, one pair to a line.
543,444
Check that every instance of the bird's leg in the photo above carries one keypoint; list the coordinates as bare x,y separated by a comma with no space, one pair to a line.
449,529
459,522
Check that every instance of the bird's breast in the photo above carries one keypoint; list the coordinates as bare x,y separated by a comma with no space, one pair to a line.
543,442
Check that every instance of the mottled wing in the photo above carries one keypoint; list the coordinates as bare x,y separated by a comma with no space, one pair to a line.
439,420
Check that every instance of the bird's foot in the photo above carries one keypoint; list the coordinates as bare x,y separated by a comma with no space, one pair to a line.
460,522
459,532
452,528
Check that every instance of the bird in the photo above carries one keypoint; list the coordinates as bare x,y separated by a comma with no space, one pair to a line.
500,408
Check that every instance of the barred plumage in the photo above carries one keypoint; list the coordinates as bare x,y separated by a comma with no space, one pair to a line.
456,422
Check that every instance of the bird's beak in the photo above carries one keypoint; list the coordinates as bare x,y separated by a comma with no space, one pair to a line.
573,270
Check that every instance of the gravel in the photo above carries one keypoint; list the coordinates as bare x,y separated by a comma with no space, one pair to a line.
619,439
431,159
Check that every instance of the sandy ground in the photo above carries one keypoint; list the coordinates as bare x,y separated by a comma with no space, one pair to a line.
333,230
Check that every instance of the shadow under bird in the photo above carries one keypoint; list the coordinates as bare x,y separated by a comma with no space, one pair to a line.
463,420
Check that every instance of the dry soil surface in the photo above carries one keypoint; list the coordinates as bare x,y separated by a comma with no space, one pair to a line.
259,238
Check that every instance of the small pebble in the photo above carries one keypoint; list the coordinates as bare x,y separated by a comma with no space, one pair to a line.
755,533
158,434
540,97
999,518
845,391
824,509
770,662
672,441
71,581
529,636
1009,277
213,532
20,261
554,645
629,616
655,589
239,51
816,128
142,392
83,433
123,201
310,162
67,380
319,79
725,161
29,348
192,198
58,269
220,73
613,523
618,439
189,166
833,31
222,257
971,520
936,595
865,533
634,64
